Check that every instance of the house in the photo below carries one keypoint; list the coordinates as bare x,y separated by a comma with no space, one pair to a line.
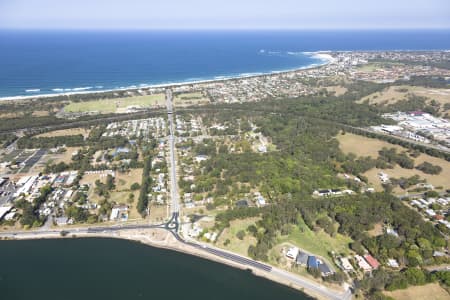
211,236
4,210
61,221
3,180
372,261
346,265
430,212
439,217
336,192
322,193
242,203
325,270
391,231
200,158
442,201
119,212
302,259
383,177
312,262
348,192
362,263
262,149
10,216
392,263
438,254
260,201
370,190
120,150
292,252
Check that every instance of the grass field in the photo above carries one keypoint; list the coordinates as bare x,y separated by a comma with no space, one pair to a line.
122,197
125,180
62,157
40,113
337,89
190,99
388,96
237,245
121,193
364,146
115,105
158,213
396,93
65,132
369,67
318,243
432,291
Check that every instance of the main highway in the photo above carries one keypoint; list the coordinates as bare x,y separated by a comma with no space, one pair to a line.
175,206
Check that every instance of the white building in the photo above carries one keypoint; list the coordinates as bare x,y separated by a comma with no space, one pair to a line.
292,252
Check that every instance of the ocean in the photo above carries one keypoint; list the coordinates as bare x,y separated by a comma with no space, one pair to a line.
45,62
94,268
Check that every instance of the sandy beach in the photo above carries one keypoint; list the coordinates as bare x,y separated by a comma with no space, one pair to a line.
324,56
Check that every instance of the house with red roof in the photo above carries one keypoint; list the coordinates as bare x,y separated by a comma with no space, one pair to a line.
372,261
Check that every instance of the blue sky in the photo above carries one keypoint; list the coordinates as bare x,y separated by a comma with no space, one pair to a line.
224,14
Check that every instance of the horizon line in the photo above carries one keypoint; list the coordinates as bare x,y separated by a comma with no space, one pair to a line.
329,29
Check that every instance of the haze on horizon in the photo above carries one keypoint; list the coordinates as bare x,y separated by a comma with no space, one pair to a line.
230,14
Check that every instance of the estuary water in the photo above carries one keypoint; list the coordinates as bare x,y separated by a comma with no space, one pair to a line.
97,268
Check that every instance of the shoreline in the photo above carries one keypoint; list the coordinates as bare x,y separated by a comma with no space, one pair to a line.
142,236
324,57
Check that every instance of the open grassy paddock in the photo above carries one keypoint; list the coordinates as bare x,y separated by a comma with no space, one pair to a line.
396,93
65,132
364,146
319,243
125,180
337,90
115,105
432,291
186,99
158,213
237,245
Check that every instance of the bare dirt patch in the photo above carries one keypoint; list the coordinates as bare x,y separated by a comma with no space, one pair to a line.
377,230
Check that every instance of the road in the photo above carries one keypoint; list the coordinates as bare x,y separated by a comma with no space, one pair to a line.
173,225
418,195
175,206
